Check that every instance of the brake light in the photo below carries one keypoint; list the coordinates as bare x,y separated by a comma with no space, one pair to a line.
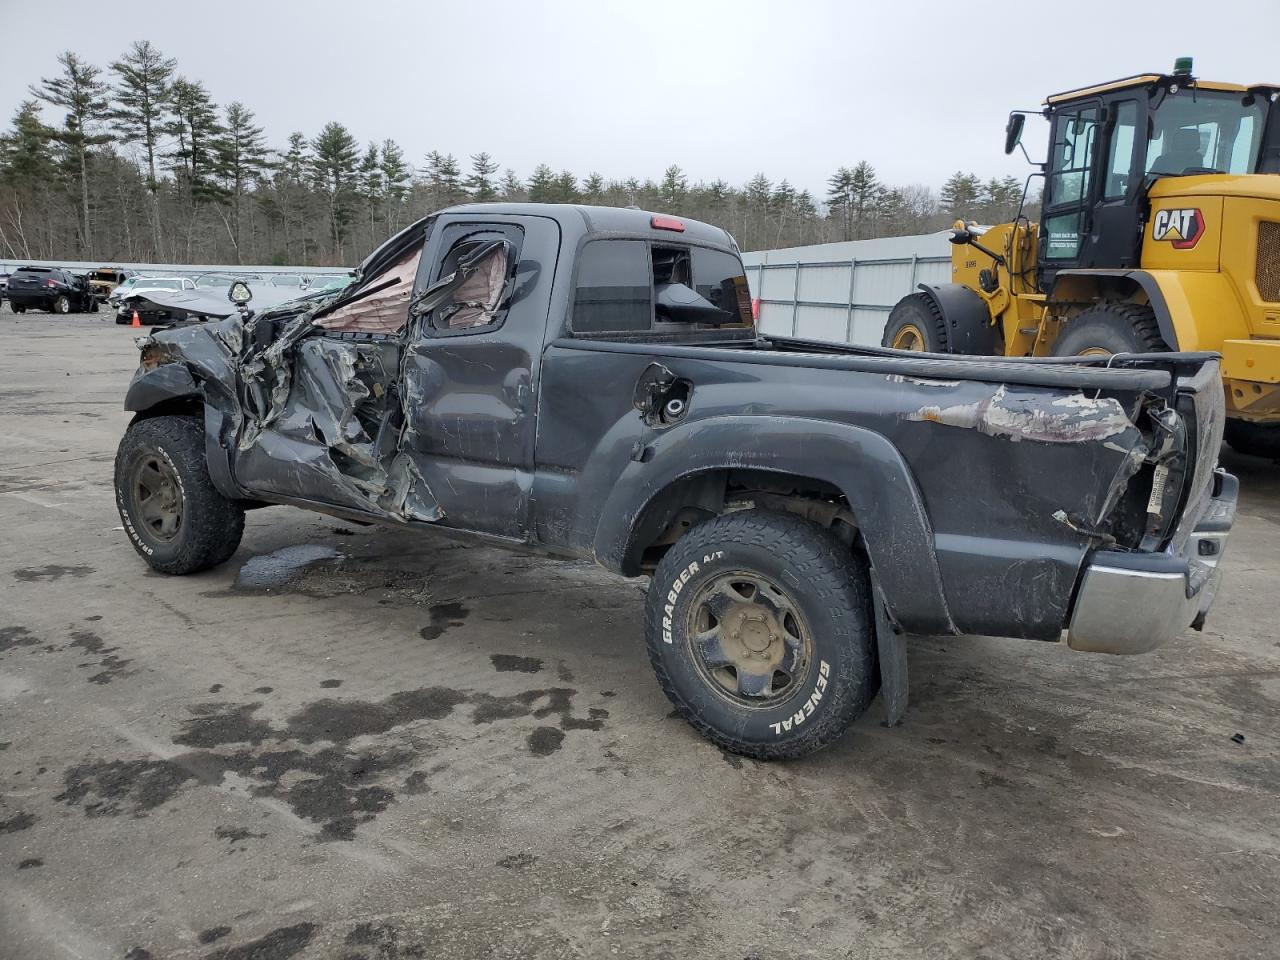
50,283
659,222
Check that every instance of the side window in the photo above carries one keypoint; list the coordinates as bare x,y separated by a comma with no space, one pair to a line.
614,290
1074,142
481,303
719,278
1120,155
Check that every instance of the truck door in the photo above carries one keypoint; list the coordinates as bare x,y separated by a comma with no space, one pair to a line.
469,374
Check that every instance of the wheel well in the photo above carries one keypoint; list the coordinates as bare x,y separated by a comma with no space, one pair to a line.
700,496
189,406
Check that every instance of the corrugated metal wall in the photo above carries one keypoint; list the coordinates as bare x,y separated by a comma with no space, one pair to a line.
843,291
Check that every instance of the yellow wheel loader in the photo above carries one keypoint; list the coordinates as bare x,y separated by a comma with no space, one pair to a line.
1159,230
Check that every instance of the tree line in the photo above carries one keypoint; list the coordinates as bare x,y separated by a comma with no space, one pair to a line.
145,166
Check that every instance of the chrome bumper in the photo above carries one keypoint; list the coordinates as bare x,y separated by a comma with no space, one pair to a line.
1134,602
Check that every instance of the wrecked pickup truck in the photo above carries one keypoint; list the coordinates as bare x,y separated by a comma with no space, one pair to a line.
589,382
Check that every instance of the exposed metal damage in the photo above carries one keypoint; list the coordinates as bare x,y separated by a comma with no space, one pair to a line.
1029,415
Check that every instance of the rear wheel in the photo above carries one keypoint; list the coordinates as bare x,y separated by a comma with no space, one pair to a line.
1254,439
915,323
759,627
62,304
1111,328
176,519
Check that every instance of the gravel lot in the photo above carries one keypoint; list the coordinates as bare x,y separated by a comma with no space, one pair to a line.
357,743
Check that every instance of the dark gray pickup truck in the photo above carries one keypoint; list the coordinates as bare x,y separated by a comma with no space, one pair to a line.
589,382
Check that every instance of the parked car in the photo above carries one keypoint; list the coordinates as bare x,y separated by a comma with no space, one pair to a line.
589,382
134,298
104,280
49,288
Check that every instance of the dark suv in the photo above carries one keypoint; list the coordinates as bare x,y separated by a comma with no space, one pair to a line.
50,288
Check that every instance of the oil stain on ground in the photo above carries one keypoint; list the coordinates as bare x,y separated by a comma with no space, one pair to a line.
50,572
337,787
112,665
13,637
506,663
443,617
279,944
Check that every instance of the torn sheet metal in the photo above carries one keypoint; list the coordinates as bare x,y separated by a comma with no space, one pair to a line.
1026,415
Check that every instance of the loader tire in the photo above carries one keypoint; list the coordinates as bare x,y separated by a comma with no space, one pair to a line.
916,323
1111,328
174,516
1254,439
760,629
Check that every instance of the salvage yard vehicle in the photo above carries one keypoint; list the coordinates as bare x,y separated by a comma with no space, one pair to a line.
103,281
137,298
49,288
1159,230
589,382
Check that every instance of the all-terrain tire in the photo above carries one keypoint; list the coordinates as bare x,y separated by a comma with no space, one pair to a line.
1111,328
916,318
1254,439
62,304
210,527
827,585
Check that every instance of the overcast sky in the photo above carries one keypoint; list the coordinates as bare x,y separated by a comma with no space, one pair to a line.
724,89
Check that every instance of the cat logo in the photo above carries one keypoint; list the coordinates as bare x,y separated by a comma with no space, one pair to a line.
1182,228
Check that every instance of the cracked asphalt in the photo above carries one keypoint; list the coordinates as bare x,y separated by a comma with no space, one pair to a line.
358,743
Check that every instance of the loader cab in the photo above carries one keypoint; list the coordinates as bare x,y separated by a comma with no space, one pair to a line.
1109,143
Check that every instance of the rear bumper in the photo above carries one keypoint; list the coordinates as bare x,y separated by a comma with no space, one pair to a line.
24,299
1134,602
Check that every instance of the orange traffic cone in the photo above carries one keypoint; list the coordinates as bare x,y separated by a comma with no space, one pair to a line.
137,321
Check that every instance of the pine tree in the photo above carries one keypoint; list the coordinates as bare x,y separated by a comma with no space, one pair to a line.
195,125
141,94
840,201
241,153
444,180
864,193
25,156
542,184
394,173
333,169
674,187
78,91
566,188
960,195
480,183
511,188
593,188
369,189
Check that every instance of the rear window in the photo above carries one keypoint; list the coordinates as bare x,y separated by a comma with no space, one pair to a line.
619,282
32,271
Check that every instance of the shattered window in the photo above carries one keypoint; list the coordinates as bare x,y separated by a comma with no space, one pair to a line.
386,309
478,300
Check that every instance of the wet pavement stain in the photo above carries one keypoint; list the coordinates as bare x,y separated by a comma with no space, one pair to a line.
30,862
335,787
234,835
13,637
279,944
50,572
506,663
517,860
444,616
18,822
545,741
273,570
213,934
112,665
383,942
330,684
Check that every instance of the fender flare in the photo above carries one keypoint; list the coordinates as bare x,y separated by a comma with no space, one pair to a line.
1150,286
861,463
150,388
966,317
173,381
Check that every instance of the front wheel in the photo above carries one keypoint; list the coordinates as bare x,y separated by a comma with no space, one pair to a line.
759,627
915,323
175,518
62,304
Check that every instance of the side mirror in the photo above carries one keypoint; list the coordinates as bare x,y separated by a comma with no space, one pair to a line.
1013,131
677,303
239,293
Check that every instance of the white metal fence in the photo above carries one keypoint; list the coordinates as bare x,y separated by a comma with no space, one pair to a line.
842,291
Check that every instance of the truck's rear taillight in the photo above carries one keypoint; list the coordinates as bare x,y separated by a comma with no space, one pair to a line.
50,283
659,222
